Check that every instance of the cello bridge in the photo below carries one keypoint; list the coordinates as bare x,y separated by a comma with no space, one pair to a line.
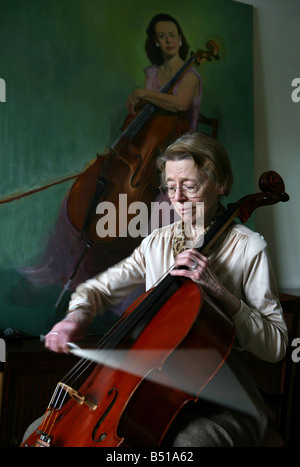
77,397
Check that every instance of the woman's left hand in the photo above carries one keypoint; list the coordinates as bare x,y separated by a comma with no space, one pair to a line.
197,268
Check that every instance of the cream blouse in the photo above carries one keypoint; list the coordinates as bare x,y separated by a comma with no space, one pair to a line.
240,261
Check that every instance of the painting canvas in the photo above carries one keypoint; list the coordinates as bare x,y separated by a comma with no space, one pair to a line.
68,67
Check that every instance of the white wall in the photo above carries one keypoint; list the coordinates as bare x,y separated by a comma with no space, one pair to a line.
277,128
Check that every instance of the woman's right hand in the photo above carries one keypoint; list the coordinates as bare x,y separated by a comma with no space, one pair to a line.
63,332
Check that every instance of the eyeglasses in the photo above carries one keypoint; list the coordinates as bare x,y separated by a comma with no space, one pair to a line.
188,191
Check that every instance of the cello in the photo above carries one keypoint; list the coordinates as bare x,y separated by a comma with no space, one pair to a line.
135,403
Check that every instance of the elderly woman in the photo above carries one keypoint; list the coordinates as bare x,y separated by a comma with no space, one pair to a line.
237,274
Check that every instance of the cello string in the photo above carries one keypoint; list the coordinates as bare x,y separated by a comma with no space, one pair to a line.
140,120
51,407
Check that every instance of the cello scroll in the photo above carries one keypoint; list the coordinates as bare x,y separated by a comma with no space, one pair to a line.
212,52
272,192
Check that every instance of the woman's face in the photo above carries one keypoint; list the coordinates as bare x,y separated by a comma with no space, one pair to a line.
166,35
187,179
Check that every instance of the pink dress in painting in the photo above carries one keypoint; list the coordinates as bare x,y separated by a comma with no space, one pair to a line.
151,73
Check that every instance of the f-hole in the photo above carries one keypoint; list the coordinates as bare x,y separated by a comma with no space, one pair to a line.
103,416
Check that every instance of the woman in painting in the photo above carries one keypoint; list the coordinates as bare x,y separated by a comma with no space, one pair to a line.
167,50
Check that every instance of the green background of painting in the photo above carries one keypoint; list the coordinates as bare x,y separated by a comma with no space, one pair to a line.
69,66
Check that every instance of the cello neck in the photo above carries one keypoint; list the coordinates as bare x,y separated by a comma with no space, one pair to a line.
168,86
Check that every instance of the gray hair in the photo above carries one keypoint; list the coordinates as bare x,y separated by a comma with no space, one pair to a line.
209,155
